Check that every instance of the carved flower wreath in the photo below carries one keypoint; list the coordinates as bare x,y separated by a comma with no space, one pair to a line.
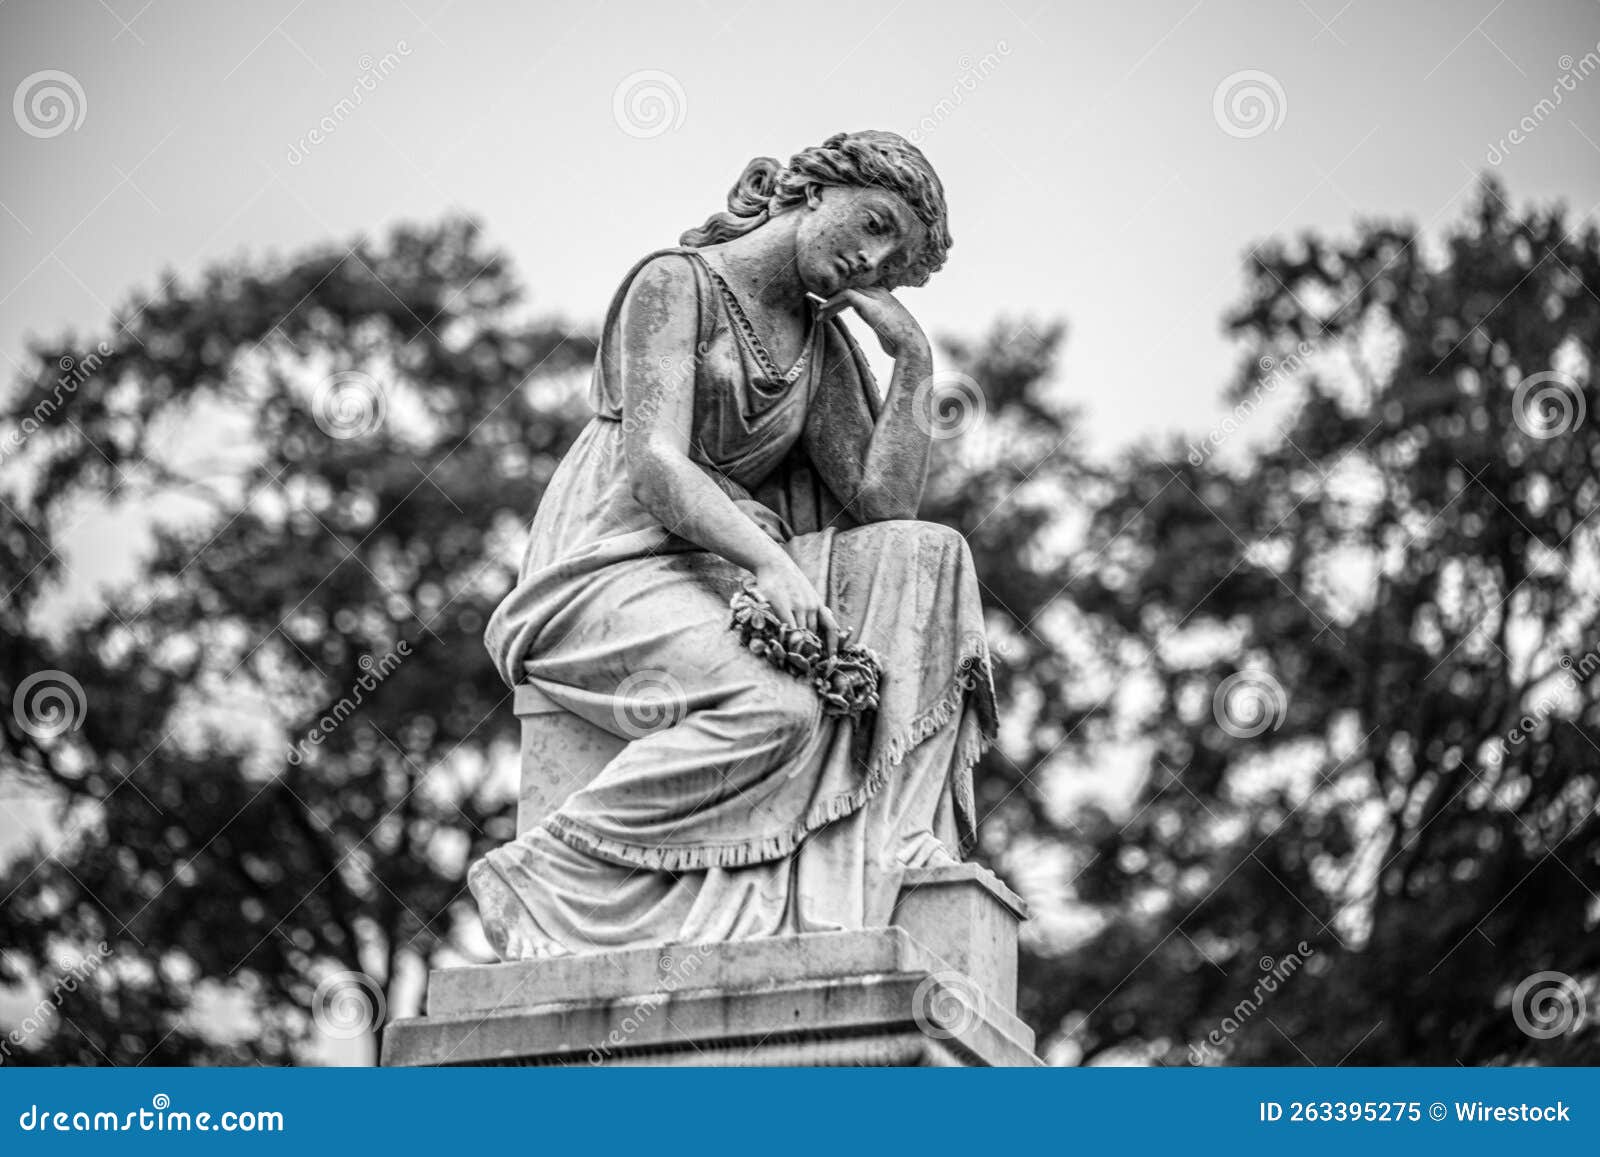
846,681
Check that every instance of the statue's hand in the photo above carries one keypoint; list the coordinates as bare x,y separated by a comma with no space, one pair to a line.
898,332
795,600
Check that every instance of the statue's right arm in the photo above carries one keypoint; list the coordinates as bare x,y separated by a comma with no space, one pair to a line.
658,338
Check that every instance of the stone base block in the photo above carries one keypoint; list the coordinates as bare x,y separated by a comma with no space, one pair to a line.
937,987
968,919
561,754
875,997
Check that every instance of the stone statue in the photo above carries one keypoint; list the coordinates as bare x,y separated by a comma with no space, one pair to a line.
727,583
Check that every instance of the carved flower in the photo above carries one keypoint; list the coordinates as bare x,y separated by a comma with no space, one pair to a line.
753,616
848,681
802,649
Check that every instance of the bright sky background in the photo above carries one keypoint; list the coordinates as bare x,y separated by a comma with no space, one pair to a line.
1087,173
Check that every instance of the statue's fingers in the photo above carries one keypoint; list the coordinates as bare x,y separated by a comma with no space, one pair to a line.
780,606
833,307
830,629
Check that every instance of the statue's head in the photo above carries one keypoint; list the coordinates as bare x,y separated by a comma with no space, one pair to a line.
868,211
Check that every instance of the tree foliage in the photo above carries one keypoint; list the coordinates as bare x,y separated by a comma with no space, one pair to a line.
1295,691
1368,642
381,447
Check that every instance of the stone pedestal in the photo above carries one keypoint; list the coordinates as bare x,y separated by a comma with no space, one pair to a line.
938,987
561,753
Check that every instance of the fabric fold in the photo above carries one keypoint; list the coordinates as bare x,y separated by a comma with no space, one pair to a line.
736,807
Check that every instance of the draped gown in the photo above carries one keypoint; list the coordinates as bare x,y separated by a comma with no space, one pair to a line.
738,808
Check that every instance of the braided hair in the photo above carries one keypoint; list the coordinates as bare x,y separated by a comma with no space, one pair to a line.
871,158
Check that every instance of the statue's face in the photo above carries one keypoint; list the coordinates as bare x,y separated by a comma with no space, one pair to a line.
855,238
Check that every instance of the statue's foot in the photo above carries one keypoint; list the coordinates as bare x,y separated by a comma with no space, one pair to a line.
510,928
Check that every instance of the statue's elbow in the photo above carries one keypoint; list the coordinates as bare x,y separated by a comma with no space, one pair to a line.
647,478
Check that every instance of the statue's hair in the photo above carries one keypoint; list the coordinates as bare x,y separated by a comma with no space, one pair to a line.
871,158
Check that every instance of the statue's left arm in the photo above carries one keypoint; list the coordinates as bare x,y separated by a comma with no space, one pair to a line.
878,467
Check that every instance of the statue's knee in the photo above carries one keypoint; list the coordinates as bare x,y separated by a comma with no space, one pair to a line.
944,536
935,536
786,710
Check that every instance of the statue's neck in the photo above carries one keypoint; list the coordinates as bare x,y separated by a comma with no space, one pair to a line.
762,265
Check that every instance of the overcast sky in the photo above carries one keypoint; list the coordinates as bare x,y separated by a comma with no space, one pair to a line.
1092,172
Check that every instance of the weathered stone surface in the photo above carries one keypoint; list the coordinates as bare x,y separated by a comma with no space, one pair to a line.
937,988
855,998
648,666
713,610
730,966
967,919
560,754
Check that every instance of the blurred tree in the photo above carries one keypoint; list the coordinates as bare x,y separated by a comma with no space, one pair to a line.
379,432
1390,580
1370,728
1008,467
